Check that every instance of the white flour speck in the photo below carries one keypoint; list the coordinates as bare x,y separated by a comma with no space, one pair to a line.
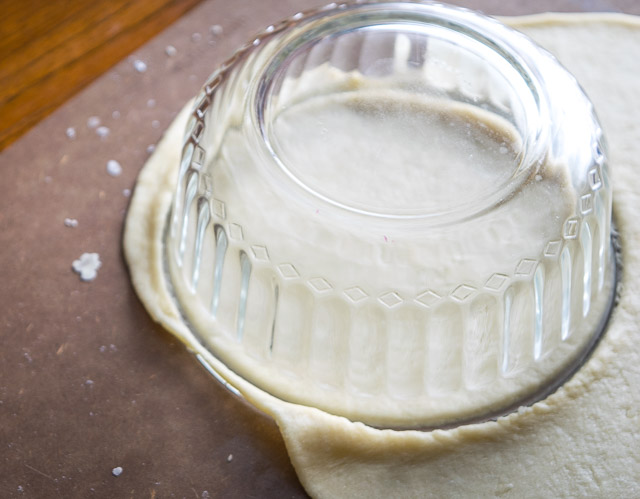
170,50
117,471
89,382
216,30
102,131
114,168
87,266
205,494
151,103
196,37
139,66
230,458
28,357
71,132
93,122
21,488
70,222
155,124
103,348
115,115
151,148
126,192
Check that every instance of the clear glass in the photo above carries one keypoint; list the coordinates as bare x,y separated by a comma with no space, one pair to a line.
395,212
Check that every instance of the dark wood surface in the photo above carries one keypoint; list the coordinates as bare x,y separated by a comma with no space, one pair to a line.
50,50
87,381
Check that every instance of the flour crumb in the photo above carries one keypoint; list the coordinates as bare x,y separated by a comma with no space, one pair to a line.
170,50
216,30
151,148
114,168
155,124
117,471
205,494
71,132
139,66
230,458
21,489
126,192
87,266
102,131
89,382
115,115
93,122
70,222
196,37
151,103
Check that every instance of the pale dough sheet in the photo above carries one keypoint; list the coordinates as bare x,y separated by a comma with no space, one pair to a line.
584,440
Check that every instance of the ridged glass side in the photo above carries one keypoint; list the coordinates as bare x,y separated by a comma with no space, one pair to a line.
428,352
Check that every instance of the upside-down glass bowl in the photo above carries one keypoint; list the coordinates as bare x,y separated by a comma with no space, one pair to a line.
395,212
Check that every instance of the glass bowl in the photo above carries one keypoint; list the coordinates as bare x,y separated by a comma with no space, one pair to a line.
398,212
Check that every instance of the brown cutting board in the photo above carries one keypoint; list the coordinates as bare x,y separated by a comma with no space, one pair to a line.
88,382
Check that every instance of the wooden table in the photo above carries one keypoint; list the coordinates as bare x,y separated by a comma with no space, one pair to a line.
50,50
88,382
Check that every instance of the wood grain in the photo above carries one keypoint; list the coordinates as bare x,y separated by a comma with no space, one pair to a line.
49,50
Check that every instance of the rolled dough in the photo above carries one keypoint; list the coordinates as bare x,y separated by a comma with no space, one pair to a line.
583,440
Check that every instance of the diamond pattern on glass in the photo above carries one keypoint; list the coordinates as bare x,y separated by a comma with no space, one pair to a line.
586,204
355,294
462,292
288,271
211,85
235,232
390,299
197,132
202,106
496,282
553,248
197,160
427,298
320,284
596,147
219,209
207,185
526,267
260,253
595,181
571,228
